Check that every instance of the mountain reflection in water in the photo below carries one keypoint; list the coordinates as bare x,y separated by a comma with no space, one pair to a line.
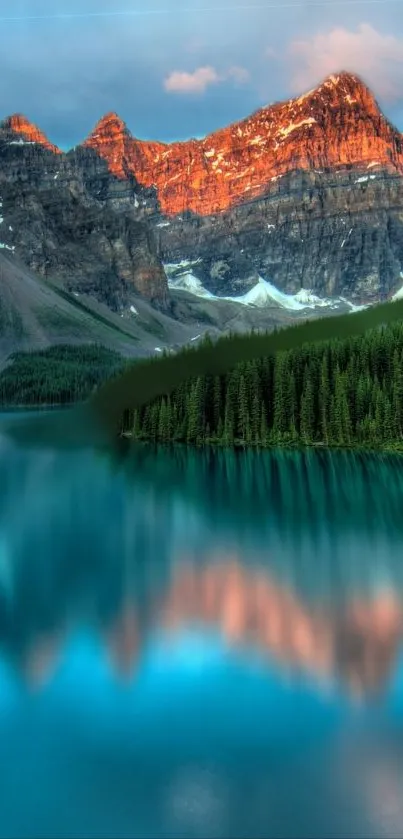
353,645
185,633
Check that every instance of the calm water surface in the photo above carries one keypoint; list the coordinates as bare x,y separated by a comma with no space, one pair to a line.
200,644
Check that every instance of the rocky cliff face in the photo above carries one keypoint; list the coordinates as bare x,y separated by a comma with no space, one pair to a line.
336,234
55,217
306,194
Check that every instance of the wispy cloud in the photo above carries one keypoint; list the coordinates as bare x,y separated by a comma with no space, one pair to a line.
378,58
203,77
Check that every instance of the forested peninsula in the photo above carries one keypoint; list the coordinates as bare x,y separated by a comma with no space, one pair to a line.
337,393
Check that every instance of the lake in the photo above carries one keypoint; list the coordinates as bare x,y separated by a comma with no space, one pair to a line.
200,644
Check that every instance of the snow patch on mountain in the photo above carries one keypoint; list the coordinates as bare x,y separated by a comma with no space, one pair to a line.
263,294
398,295
21,142
293,126
354,307
365,178
180,276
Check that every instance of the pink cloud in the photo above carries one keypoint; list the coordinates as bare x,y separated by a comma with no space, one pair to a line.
376,57
201,78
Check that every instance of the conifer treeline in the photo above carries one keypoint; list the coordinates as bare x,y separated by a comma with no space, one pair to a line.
58,375
339,392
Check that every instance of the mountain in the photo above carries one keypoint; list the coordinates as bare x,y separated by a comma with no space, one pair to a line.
304,194
337,125
52,218
299,205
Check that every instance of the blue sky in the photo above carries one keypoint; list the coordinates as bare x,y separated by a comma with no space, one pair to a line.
174,69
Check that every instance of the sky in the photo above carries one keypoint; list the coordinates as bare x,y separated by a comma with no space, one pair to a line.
174,69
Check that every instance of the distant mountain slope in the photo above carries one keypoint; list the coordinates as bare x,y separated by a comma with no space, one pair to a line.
36,315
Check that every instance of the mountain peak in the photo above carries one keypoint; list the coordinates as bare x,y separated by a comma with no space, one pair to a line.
344,77
349,88
110,125
28,131
109,139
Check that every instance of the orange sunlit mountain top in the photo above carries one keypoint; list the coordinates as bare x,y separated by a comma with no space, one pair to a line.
19,124
336,125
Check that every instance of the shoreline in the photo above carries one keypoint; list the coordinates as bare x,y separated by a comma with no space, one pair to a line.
211,443
296,446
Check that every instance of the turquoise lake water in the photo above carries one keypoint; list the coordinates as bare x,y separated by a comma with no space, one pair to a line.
200,644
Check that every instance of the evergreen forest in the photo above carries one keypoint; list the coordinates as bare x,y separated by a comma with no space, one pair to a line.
340,392
59,375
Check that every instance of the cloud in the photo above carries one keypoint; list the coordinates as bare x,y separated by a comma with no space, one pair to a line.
196,82
376,57
201,78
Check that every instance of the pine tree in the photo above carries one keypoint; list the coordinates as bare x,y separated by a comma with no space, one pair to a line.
216,403
196,411
307,419
229,421
263,424
243,413
154,421
324,399
281,406
397,394
162,422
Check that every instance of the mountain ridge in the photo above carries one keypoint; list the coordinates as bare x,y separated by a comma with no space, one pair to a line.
335,125
305,195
